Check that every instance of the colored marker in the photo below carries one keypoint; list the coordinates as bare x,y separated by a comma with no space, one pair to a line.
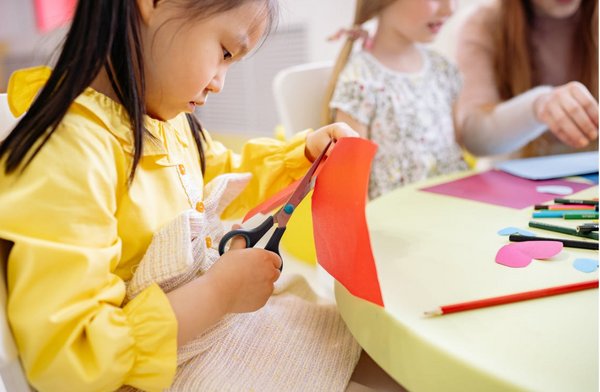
540,207
587,228
564,230
575,201
591,215
558,214
555,207
566,243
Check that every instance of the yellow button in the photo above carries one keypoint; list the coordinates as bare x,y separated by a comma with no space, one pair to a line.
208,242
200,206
181,169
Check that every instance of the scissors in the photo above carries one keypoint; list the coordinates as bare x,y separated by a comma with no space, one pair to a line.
281,217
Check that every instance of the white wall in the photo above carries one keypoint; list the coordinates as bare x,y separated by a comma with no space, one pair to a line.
324,18
18,29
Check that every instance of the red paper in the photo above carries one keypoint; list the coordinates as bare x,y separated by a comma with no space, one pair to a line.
503,189
53,13
274,201
280,197
340,227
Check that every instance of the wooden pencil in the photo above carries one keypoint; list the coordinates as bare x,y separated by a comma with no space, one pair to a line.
506,299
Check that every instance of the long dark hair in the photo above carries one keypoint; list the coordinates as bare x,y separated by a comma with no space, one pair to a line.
104,34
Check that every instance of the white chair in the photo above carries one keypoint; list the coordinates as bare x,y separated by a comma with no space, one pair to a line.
299,95
11,371
7,120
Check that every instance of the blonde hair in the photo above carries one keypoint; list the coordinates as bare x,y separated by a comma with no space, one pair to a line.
512,41
365,11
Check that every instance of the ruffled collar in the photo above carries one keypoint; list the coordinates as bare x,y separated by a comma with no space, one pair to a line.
25,84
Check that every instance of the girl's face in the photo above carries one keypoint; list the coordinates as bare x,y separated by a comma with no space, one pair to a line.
417,20
558,9
184,60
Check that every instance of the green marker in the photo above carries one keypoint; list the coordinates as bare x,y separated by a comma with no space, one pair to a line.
564,230
591,215
575,201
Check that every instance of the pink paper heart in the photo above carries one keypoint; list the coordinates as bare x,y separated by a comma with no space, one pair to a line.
520,254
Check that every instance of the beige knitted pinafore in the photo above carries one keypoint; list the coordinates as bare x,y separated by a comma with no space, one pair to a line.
296,342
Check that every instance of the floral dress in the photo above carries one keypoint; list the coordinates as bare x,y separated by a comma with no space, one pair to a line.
408,115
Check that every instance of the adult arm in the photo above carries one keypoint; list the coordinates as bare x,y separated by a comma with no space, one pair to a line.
486,126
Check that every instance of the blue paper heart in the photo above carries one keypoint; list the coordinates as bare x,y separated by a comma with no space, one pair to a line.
585,265
515,230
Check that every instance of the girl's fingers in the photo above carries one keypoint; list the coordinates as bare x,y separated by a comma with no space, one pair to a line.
341,130
579,116
237,242
563,126
277,264
338,131
318,140
587,102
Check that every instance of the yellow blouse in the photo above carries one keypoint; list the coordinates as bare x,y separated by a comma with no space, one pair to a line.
78,231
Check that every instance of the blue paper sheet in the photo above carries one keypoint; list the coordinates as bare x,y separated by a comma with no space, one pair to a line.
553,166
592,177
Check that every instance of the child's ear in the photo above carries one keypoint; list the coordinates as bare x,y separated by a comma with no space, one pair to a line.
147,8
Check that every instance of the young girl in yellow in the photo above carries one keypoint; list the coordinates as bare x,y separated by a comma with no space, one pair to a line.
110,197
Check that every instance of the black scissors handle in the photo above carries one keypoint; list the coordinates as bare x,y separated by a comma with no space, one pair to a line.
252,236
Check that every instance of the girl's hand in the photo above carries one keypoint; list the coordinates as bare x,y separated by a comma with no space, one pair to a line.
317,140
244,277
571,113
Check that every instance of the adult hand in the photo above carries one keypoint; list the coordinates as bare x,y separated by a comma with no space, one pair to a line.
317,140
245,276
571,113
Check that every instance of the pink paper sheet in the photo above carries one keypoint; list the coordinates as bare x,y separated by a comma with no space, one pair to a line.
340,227
53,13
500,188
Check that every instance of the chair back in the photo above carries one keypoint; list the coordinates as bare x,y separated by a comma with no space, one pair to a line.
7,120
11,371
299,95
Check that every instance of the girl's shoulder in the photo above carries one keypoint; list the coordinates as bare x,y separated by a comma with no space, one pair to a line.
437,60
110,120
479,19
442,72
360,67
483,11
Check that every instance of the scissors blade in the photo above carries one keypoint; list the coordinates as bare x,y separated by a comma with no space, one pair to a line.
304,187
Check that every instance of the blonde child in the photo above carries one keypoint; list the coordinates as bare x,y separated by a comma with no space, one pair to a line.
399,93
110,197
